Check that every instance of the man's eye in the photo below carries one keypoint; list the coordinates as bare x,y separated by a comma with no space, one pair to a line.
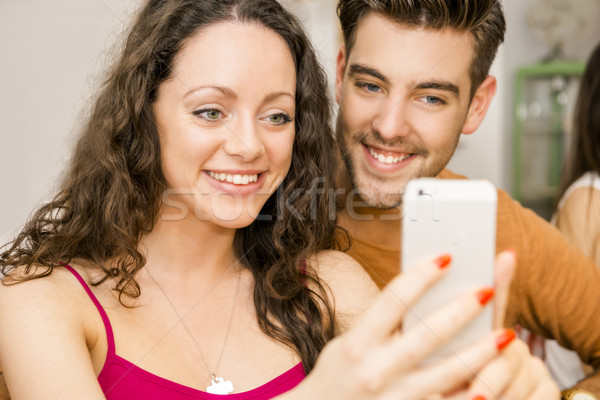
432,100
369,87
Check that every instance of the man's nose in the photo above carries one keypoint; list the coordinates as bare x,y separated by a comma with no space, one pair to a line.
392,121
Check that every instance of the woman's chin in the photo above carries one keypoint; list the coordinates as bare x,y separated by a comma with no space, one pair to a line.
234,220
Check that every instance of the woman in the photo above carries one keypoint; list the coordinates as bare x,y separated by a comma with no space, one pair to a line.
183,256
577,214
578,211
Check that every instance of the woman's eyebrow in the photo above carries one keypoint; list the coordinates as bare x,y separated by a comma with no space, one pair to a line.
223,89
274,95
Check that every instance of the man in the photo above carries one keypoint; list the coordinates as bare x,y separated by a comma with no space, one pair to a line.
411,77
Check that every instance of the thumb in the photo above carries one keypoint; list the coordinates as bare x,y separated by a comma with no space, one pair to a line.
506,262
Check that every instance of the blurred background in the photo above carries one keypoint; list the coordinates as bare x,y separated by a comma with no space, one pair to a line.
53,54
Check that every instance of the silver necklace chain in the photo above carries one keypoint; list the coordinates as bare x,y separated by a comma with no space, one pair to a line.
218,384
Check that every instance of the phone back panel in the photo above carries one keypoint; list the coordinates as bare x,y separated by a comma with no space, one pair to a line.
456,217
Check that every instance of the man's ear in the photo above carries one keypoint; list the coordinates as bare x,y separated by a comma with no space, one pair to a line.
339,73
479,105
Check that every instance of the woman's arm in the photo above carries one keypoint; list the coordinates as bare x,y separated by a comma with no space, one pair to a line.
579,221
44,342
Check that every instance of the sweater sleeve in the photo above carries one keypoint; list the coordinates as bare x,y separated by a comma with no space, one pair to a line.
555,291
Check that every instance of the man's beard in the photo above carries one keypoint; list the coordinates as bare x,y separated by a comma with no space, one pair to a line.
376,194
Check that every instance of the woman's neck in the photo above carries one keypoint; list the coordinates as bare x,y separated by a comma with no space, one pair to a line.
188,248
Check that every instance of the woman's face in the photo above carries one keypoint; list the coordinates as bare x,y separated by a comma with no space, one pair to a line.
225,121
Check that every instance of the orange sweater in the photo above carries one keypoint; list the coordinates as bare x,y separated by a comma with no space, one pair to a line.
555,291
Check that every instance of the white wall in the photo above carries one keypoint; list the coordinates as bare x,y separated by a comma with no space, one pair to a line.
52,53
320,20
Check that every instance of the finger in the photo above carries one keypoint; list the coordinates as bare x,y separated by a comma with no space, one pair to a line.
532,373
460,395
492,380
547,390
386,314
508,376
437,329
456,370
504,271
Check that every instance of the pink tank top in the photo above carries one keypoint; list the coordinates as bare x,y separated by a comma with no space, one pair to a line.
123,380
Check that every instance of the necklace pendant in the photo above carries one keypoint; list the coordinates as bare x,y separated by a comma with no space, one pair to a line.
219,386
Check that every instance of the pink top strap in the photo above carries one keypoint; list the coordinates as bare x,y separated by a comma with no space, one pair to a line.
302,263
110,339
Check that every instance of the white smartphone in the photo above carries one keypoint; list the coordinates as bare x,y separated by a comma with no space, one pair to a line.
456,217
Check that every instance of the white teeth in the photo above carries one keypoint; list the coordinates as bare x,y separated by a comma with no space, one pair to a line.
236,179
389,159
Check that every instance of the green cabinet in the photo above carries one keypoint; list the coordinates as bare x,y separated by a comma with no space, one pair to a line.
545,96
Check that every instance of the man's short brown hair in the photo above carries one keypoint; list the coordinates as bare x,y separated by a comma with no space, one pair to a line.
483,19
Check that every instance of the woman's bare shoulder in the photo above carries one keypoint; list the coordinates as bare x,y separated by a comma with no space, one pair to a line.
32,282
35,301
24,287
45,332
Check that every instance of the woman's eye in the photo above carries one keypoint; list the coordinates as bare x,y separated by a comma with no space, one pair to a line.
210,114
279,119
213,114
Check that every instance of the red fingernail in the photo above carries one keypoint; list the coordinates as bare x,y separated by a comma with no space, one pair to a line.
479,398
505,338
485,295
443,261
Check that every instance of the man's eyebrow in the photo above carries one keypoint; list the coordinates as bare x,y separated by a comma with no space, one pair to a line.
357,69
447,86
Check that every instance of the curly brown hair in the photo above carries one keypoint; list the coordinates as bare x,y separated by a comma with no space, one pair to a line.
111,194
483,19
585,146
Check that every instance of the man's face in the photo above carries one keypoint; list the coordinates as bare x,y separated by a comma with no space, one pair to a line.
404,101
